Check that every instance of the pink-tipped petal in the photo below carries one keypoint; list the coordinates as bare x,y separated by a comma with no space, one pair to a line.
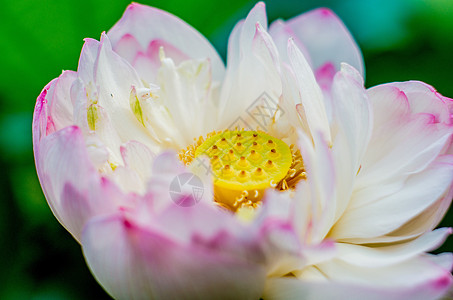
288,288
41,119
147,24
369,219
410,277
281,33
135,262
87,60
413,140
326,39
256,15
60,104
170,51
128,47
107,80
73,188
423,98
252,72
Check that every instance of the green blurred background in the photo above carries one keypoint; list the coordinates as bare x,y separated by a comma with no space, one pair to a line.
400,40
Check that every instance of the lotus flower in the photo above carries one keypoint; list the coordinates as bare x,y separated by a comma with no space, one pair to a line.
278,177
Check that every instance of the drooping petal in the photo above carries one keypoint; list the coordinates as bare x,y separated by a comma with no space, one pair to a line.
147,24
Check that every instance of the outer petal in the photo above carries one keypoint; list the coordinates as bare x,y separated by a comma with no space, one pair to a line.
388,213
411,138
147,24
365,256
291,288
41,124
405,275
73,188
403,154
60,105
326,39
423,98
136,262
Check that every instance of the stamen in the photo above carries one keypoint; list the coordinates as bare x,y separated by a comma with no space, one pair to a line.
245,164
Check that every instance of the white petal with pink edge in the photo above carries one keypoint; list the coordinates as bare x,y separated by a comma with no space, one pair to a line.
147,24
136,262
326,39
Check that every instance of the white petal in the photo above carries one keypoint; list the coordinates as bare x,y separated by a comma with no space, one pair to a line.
365,256
387,214
310,93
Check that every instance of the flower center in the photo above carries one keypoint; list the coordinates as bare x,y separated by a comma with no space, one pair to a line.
245,163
